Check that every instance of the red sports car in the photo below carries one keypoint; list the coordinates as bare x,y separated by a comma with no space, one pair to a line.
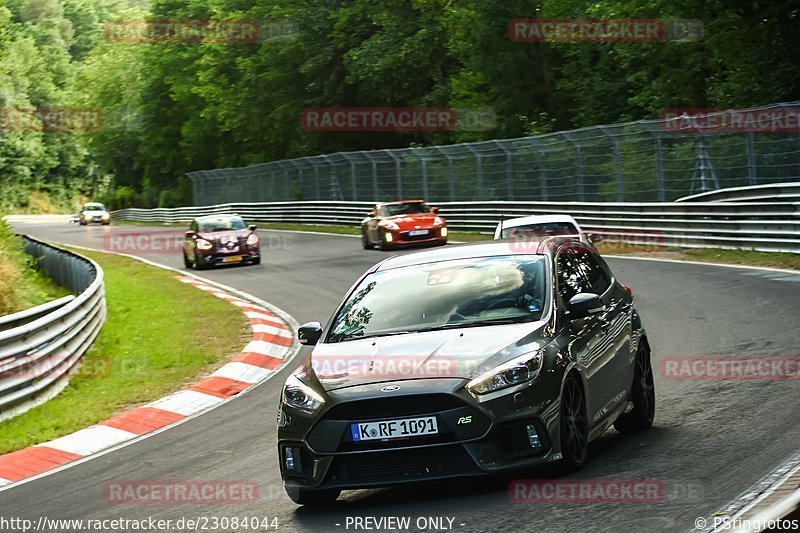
397,223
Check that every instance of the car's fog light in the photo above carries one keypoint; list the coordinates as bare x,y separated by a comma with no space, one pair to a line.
533,437
444,232
289,459
389,237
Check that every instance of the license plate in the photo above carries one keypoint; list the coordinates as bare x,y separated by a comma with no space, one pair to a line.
416,232
394,429
232,259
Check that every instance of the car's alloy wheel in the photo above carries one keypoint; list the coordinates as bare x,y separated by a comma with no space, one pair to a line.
186,262
312,497
643,396
574,427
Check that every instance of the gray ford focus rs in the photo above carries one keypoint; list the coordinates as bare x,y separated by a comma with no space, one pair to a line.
464,361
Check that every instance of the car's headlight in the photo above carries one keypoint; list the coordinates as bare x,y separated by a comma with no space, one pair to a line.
514,372
300,396
87,215
203,244
388,224
438,221
105,216
252,240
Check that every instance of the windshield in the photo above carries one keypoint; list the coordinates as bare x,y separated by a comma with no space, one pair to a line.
95,207
459,293
221,224
540,229
409,208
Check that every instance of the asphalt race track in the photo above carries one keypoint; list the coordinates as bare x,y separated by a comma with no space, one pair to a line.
711,441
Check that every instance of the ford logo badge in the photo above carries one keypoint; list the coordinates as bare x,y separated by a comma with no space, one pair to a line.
389,388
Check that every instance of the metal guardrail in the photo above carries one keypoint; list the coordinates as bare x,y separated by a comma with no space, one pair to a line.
761,226
39,346
773,192
642,161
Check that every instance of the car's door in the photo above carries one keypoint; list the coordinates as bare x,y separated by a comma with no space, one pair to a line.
587,343
615,327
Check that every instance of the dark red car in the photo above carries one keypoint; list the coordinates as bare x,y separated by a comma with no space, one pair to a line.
407,222
219,240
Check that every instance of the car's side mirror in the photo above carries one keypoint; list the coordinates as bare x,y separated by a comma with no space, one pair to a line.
584,304
595,237
309,333
252,227
434,209
372,214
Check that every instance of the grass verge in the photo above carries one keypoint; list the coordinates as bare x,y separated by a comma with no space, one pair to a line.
21,285
160,335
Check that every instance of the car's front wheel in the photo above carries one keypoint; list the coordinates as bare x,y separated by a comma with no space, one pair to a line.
574,426
186,262
384,245
365,241
643,396
312,497
198,263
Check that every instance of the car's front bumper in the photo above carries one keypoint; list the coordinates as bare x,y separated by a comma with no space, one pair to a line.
495,438
213,258
402,238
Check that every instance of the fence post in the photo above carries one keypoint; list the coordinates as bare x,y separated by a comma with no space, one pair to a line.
752,179
317,191
398,174
372,160
509,170
478,171
617,164
578,165
660,169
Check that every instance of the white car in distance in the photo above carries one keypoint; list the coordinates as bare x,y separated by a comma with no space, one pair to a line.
542,226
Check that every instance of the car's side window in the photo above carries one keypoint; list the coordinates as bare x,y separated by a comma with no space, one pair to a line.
570,277
598,277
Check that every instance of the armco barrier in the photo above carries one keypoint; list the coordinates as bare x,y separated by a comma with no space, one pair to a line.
761,226
773,192
39,346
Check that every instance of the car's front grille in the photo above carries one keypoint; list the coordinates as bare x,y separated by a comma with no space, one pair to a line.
429,235
417,404
419,463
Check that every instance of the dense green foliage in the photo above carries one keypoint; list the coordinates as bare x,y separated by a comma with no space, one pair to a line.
173,107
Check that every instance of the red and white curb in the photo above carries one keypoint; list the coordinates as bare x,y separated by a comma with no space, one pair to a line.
272,340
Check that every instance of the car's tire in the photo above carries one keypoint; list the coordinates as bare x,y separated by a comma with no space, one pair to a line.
365,241
643,395
186,262
574,425
256,261
313,497
198,265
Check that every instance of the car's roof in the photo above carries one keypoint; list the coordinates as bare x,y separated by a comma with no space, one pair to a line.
87,204
546,246
538,219
401,202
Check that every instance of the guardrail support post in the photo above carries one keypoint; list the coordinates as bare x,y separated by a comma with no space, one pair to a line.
752,179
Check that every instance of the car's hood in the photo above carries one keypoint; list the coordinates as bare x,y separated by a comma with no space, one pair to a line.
454,353
410,222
